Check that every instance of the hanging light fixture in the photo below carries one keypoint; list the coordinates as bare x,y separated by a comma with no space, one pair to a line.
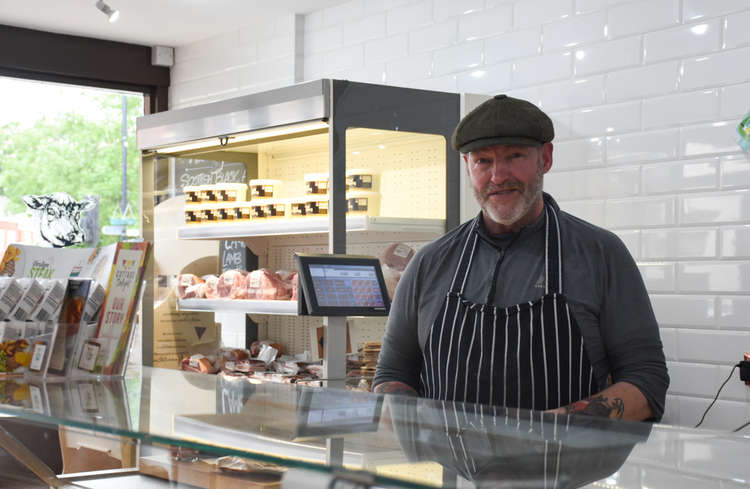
112,14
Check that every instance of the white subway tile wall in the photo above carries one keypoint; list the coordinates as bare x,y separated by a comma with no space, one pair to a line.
607,56
646,96
643,16
678,42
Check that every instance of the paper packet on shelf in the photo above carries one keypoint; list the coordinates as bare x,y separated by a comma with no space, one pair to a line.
32,295
94,302
54,291
10,293
267,353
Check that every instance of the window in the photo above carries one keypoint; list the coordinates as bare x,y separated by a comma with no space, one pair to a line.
66,138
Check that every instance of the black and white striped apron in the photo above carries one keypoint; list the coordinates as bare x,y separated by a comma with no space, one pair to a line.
529,355
523,448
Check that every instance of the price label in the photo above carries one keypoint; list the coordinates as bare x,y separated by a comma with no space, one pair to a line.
36,399
88,356
87,395
37,356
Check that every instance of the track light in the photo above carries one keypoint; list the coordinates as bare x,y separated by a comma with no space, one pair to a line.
112,14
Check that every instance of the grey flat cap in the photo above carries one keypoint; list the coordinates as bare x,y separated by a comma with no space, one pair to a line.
502,120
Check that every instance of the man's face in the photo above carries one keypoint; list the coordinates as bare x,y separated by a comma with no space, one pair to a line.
507,181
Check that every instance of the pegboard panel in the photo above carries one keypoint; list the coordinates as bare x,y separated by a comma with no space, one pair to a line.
292,333
410,167
290,160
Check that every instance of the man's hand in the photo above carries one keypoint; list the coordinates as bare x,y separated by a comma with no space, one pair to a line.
618,401
395,387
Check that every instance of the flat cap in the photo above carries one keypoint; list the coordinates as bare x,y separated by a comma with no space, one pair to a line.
502,120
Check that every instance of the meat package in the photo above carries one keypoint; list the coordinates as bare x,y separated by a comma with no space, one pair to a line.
231,285
210,290
266,285
188,286
394,259
260,284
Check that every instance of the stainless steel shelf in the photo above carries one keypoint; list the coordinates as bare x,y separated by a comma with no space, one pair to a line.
282,308
309,225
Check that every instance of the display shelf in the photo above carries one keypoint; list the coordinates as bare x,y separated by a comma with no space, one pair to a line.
309,225
277,308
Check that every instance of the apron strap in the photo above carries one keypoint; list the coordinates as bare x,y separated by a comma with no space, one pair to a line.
553,251
552,256
464,263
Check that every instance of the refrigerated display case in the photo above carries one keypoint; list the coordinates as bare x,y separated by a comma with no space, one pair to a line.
388,144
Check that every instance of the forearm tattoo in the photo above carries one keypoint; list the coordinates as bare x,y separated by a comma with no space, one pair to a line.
395,388
598,406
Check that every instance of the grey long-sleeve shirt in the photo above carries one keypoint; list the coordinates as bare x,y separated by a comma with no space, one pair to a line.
601,282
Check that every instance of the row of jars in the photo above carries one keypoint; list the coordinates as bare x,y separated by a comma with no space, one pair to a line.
315,184
358,202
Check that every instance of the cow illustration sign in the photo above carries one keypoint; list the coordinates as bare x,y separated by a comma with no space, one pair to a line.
60,217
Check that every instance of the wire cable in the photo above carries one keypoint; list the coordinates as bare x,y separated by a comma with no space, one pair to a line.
717,396
743,426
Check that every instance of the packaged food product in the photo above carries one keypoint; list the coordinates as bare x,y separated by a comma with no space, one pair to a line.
192,194
235,211
362,202
209,213
230,192
264,188
231,285
94,302
316,183
298,207
242,211
186,286
224,212
357,179
397,256
15,355
208,194
277,208
54,291
10,293
32,295
211,286
266,285
289,278
193,214
317,207
271,208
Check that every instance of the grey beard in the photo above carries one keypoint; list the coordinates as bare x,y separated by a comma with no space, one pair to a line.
528,198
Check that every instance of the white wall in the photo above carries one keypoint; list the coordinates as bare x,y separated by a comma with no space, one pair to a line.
645,96
242,61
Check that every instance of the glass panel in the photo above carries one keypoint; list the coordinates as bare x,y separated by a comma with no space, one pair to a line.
57,139
403,173
415,442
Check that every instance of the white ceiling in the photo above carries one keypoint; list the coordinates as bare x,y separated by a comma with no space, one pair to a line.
151,22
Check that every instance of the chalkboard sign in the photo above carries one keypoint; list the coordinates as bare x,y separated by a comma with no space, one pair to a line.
205,172
235,255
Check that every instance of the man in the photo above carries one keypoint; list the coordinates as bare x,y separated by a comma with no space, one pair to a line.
525,305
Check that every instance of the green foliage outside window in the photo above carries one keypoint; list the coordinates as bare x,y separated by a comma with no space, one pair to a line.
73,154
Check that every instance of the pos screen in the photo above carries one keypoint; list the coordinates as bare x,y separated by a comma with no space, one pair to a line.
341,285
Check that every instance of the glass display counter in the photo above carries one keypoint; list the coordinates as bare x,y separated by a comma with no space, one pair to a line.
278,432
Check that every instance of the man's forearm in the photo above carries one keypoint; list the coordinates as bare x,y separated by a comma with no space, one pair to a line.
395,387
618,401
